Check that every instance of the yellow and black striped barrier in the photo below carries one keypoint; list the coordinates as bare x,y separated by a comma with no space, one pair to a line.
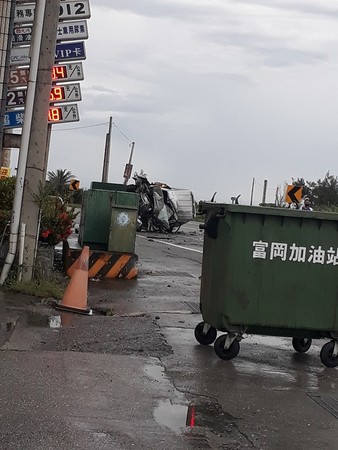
102,264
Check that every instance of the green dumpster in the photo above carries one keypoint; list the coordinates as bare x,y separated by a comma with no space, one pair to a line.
109,220
123,222
108,186
95,219
269,271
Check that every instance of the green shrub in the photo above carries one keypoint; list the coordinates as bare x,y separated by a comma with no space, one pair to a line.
7,188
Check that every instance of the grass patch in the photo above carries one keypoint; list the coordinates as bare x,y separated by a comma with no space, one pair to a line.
39,288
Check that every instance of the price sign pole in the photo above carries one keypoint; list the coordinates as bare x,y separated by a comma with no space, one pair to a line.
38,150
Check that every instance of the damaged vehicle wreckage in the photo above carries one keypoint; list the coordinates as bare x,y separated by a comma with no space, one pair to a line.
161,208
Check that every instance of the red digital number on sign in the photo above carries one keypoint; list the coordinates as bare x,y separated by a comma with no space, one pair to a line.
54,114
57,94
59,73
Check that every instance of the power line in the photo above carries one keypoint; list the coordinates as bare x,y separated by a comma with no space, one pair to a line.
95,125
114,124
79,128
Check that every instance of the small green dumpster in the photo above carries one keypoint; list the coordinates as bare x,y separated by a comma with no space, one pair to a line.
109,220
269,271
95,218
108,186
123,222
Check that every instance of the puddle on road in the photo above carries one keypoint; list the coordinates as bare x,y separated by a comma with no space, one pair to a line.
39,319
271,341
172,416
182,418
155,371
55,322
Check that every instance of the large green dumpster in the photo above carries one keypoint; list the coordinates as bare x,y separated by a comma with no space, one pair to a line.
269,271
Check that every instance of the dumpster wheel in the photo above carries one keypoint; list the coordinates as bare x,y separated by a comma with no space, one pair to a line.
226,353
205,334
301,345
328,354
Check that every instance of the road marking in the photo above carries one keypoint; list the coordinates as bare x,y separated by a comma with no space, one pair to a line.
173,245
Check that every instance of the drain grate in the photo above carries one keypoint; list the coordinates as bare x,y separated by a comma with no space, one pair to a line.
194,307
326,401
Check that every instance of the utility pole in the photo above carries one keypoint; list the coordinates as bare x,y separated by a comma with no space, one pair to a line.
129,166
23,154
38,150
277,202
107,153
252,191
264,191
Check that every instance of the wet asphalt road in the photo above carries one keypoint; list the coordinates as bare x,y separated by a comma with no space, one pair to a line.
138,379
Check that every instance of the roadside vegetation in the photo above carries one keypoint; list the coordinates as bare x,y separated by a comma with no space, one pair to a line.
57,203
38,287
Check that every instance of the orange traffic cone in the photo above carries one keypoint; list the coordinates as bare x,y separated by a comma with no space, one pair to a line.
75,296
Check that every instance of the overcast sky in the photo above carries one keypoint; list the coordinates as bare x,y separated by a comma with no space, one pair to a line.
213,92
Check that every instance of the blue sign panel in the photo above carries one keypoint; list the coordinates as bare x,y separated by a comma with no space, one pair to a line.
70,51
14,119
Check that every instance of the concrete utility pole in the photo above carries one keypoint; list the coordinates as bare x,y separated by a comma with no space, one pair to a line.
38,150
6,30
252,191
106,159
129,166
24,141
264,191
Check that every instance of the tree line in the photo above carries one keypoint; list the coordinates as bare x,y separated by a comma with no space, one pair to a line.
322,193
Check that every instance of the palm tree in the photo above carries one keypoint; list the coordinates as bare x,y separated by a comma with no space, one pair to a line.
58,181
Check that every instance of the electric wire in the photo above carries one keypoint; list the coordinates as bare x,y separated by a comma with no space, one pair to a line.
114,125
79,128
95,125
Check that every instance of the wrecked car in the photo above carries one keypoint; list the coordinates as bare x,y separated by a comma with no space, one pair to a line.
162,208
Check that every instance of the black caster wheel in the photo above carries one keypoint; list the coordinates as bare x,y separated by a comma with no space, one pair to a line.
205,338
326,355
224,353
301,345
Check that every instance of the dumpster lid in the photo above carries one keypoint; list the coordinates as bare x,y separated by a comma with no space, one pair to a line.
223,208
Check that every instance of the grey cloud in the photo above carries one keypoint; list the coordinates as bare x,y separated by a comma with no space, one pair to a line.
272,51
101,89
233,78
279,57
160,8
182,11
117,103
315,8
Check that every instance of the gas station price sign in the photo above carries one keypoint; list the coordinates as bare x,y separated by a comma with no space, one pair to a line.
62,114
67,72
65,93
